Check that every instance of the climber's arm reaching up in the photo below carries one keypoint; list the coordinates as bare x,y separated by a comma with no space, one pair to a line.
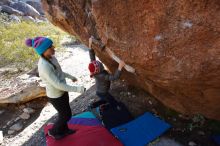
91,51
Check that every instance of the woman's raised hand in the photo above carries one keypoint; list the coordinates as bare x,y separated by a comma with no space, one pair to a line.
121,65
90,42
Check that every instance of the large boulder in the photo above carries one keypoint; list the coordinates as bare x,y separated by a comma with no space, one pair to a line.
37,6
10,10
21,89
27,9
6,2
30,93
174,46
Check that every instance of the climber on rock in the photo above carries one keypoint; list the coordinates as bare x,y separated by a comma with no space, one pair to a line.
102,78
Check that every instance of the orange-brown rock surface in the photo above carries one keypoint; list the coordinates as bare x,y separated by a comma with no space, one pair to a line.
174,46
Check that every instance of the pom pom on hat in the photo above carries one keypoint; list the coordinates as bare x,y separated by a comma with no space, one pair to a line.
28,42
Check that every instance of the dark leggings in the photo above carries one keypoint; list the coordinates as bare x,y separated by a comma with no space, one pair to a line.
107,97
62,106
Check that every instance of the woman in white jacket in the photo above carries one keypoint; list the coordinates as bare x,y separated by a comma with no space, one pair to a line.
56,88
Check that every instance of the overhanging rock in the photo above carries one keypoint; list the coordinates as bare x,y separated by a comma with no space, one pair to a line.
174,46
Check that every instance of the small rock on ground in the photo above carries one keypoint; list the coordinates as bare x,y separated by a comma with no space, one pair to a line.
2,111
18,118
16,127
201,133
191,143
28,110
165,142
10,132
24,116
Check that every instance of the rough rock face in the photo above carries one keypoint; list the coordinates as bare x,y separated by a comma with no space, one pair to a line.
174,46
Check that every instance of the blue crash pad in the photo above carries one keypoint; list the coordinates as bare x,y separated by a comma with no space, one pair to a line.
216,138
85,115
140,131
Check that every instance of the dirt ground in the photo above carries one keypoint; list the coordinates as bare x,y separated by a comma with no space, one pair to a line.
184,129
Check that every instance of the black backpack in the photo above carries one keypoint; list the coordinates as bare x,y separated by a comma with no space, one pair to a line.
114,115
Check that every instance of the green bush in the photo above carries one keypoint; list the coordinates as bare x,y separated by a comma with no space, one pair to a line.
12,41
